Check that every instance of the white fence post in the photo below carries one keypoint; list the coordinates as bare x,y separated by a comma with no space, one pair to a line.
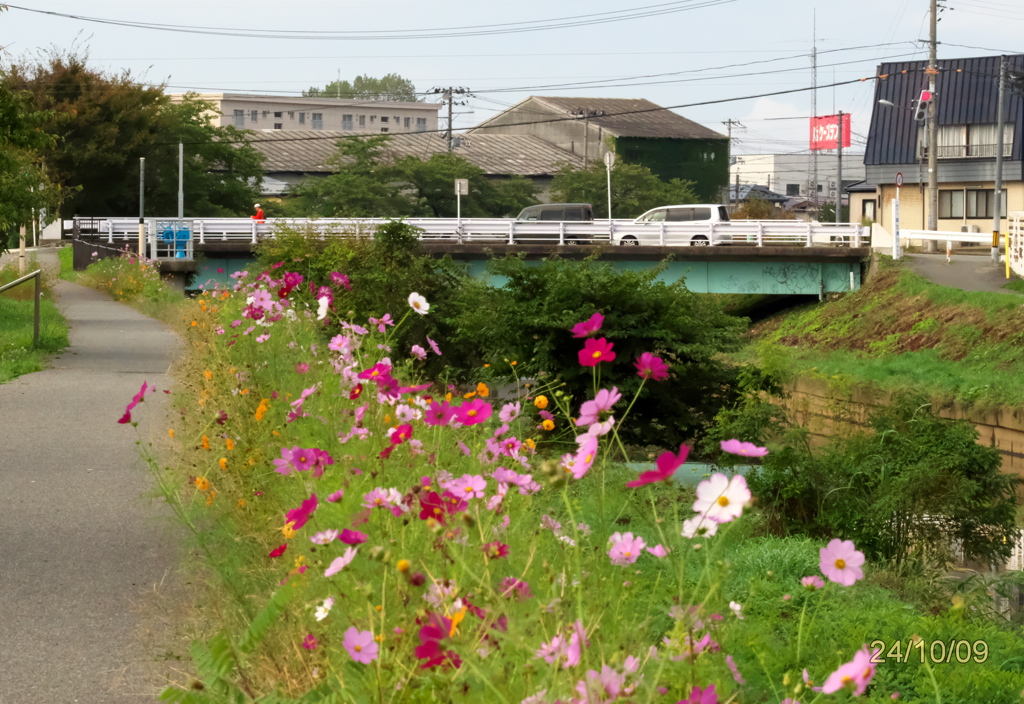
810,236
661,235
760,234
561,233
202,232
110,232
253,232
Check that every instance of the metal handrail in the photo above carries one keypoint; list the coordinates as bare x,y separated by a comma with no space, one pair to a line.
37,275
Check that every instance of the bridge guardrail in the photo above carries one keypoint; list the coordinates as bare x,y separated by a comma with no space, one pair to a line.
757,233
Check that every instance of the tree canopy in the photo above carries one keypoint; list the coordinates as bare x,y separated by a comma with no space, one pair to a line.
391,87
104,123
24,184
635,189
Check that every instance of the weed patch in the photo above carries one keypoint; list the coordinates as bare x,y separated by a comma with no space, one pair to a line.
18,355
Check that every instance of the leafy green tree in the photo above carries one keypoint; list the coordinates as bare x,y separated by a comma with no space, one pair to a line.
828,213
23,142
106,122
391,87
635,189
431,183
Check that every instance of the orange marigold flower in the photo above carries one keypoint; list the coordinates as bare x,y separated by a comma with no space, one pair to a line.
170,432
202,483
223,462
230,444
207,374
531,444
206,443
541,402
548,424
241,503
210,497
403,565
482,389
262,408
194,323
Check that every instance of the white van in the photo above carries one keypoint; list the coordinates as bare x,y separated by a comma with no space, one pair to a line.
701,231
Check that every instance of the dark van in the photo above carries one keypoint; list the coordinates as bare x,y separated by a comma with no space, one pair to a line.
558,212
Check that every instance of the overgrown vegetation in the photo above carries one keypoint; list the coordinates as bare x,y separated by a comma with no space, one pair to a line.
901,332
18,355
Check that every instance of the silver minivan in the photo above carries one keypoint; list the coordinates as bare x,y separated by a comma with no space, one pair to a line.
702,232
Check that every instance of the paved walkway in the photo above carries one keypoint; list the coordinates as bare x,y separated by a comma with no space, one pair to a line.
968,272
79,545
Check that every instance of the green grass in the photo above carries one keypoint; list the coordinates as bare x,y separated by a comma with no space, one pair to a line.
902,332
17,355
1016,285
67,256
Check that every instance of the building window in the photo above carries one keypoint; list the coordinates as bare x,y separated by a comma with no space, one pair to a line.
238,118
302,118
346,122
406,123
383,129
278,115
982,204
383,120
253,114
266,113
397,119
318,120
278,126
291,114
421,124
868,209
966,141
362,120
819,188
373,118
951,205
792,189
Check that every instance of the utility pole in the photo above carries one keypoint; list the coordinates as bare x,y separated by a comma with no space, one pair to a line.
142,202
814,110
585,114
448,95
997,200
728,125
933,131
839,168
181,180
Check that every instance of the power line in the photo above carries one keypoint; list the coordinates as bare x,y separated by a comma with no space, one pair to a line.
434,33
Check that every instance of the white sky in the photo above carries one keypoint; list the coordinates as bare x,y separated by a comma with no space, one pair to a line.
766,35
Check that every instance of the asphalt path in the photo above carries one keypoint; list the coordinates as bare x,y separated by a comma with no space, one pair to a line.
81,548
966,271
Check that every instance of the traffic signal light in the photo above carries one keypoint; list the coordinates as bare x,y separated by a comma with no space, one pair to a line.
922,106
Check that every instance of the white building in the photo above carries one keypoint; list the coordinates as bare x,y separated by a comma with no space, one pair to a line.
792,175
267,112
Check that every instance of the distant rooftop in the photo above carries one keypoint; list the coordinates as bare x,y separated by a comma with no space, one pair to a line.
310,151
623,117
318,101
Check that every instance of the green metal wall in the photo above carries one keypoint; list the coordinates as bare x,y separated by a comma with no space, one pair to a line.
703,161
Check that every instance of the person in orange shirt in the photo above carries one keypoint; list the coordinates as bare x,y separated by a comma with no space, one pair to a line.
258,217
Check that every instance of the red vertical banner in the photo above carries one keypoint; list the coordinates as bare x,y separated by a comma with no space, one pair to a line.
825,132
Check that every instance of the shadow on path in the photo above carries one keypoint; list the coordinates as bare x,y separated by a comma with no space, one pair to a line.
78,543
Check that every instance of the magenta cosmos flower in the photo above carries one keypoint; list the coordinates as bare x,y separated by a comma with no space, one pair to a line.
813,582
588,327
495,550
298,516
439,413
841,561
360,645
667,465
473,412
590,411
855,675
294,459
625,548
650,367
743,449
720,498
136,400
339,279
596,351
702,696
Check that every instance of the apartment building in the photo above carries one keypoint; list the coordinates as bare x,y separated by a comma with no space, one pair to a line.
268,112
792,175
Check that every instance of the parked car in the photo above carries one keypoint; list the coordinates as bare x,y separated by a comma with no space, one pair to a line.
703,232
558,212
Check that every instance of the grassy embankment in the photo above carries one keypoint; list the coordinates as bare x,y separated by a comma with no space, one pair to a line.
902,332
17,354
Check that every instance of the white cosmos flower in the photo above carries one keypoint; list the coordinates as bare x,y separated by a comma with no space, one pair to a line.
418,303
721,498
324,609
699,526
321,312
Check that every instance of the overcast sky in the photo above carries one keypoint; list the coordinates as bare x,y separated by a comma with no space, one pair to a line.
763,36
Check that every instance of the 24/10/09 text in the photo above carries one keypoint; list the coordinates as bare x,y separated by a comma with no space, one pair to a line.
937,651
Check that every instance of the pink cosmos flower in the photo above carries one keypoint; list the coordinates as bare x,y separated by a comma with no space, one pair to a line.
439,413
473,412
294,459
278,551
495,550
360,645
352,537
588,327
658,550
324,537
302,368
590,411
510,586
433,346
667,465
336,496
813,582
601,687
378,498
841,561
650,367
340,343
625,548
702,696
721,498
263,338
468,486
855,675
339,279
735,670
309,643
340,563
300,515
431,634
509,412
596,351
584,458
577,642
418,352
743,449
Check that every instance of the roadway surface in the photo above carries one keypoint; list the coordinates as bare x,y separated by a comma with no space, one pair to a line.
79,545
969,272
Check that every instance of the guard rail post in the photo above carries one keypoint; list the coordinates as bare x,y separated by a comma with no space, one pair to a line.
110,232
810,235
857,232
561,233
253,232
202,231
760,234
512,233
661,235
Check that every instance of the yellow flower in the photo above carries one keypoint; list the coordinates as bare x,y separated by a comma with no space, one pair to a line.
287,530
194,323
448,397
171,432
514,363
223,462
202,483
241,503
207,374
531,444
548,424
206,443
379,637
403,565
457,619
541,402
230,444
262,408
482,389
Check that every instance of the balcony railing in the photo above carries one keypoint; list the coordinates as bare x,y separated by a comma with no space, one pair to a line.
967,151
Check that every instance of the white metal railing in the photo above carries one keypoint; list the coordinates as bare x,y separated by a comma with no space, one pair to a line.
941,236
756,233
